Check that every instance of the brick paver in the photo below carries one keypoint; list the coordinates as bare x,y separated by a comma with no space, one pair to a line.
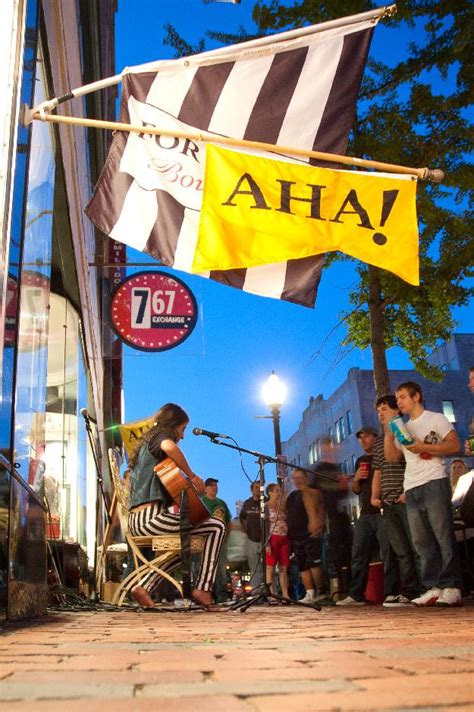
266,659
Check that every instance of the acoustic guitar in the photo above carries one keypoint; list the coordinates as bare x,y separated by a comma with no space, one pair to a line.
174,482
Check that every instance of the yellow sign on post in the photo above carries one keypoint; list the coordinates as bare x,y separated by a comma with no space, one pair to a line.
258,210
132,433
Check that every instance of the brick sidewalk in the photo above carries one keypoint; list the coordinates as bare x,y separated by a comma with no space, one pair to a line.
269,659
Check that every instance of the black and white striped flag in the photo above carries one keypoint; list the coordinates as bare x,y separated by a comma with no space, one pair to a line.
299,91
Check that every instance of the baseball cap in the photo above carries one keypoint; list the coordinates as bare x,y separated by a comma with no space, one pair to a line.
210,481
368,430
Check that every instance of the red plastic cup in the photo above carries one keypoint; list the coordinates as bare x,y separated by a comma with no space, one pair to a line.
364,468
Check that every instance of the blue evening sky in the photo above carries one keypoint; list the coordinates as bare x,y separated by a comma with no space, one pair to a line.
217,374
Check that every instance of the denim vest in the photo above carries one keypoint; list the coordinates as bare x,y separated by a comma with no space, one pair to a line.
145,485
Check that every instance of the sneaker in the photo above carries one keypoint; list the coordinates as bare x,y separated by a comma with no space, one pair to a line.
396,601
450,597
429,598
349,601
309,599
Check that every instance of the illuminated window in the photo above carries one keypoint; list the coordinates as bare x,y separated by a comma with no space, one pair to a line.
350,429
342,428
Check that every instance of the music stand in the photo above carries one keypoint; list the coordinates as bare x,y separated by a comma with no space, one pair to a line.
262,593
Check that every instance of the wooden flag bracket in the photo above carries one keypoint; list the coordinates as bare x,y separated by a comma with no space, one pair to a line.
435,175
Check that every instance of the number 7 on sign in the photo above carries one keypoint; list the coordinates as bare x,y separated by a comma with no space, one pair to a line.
141,308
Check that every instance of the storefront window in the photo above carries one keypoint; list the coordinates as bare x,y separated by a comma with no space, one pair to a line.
13,250
34,298
65,481
51,388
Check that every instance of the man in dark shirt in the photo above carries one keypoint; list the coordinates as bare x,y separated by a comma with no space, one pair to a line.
368,529
250,520
333,485
305,516
387,495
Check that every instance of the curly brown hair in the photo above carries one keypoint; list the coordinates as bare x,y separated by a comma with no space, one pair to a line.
165,422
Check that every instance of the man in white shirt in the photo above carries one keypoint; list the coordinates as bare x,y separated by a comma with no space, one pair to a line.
428,495
468,448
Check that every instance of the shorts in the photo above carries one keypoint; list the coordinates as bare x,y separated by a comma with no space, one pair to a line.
279,551
307,552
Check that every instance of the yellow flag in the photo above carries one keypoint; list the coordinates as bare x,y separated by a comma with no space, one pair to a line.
258,210
132,432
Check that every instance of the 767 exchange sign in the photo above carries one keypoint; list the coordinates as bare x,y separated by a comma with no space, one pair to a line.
153,311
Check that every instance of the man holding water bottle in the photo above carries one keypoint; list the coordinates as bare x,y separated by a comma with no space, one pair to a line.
368,529
469,444
424,440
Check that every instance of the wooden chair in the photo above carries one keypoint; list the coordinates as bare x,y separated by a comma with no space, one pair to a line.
166,546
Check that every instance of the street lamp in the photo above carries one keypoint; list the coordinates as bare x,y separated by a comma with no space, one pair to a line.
274,394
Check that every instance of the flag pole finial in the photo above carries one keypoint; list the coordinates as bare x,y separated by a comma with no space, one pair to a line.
434,175
390,11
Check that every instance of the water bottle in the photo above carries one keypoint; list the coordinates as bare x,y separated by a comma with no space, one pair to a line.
470,439
399,429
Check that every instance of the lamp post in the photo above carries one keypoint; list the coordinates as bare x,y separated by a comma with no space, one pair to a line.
274,394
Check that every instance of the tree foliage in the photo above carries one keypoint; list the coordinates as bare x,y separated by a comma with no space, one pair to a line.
411,112
183,48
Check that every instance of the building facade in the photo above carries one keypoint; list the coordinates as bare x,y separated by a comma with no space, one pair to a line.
338,418
58,359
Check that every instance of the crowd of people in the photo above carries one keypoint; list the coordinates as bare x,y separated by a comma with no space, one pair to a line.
405,514
405,519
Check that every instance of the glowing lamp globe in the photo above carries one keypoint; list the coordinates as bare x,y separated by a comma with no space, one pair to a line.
274,391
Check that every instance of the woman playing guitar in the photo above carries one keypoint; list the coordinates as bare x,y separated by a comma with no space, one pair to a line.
149,501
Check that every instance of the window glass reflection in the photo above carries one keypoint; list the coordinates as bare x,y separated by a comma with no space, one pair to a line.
34,299
64,476
50,439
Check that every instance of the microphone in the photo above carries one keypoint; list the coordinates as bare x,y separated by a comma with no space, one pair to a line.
208,433
86,416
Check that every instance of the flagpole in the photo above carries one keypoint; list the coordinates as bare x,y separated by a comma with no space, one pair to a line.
51,104
435,175
375,15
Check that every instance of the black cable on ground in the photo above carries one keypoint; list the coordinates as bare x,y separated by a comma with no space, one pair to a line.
72,601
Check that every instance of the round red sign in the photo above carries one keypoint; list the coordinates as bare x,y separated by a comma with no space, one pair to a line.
153,311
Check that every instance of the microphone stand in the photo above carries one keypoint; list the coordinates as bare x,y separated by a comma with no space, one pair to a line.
262,594
100,488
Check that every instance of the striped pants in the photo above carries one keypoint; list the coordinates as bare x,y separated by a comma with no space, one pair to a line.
154,520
